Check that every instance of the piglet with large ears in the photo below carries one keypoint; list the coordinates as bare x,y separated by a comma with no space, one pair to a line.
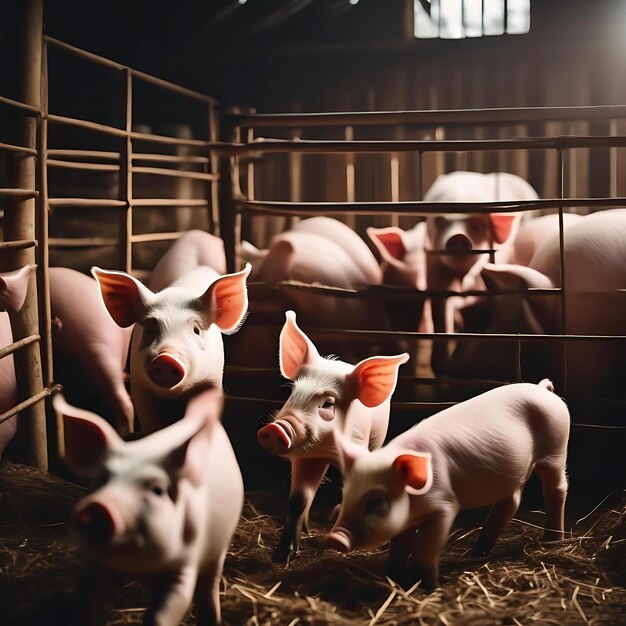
327,395
176,346
164,512
479,452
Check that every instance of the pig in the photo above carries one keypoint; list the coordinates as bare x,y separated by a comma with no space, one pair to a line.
85,331
441,253
327,394
13,287
165,509
475,453
337,232
176,345
192,249
309,257
595,271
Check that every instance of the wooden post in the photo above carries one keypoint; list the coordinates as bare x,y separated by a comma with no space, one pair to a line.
19,224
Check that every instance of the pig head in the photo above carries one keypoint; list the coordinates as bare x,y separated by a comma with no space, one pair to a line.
13,288
176,345
165,509
595,274
327,395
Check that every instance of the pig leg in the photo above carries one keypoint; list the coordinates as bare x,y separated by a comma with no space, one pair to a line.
208,594
554,484
306,476
499,516
399,549
432,535
171,599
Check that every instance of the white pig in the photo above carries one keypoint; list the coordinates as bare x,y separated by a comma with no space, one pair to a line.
475,453
595,272
86,332
327,395
13,286
443,248
165,510
176,346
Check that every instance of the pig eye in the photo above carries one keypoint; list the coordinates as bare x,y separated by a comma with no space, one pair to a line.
328,403
441,222
327,409
196,329
150,327
378,505
157,490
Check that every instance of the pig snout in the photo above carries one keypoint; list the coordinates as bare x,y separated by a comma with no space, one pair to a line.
275,437
95,523
458,243
165,370
340,539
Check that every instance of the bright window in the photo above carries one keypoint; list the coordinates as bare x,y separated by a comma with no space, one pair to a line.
456,19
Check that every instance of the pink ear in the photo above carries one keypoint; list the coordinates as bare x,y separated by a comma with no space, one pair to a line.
87,437
124,296
13,287
295,348
390,242
375,378
503,225
227,297
415,472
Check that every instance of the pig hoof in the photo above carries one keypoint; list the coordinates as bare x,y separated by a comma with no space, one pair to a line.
282,555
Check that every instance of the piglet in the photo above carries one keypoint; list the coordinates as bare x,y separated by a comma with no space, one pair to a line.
164,512
13,286
86,332
475,453
327,394
176,347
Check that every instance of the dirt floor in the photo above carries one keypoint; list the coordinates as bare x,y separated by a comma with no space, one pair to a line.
581,580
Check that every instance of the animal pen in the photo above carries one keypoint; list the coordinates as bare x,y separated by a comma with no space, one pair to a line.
228,167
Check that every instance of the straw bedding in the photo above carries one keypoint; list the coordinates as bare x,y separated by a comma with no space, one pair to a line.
581,580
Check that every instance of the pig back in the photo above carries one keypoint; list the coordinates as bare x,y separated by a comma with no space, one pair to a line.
485,448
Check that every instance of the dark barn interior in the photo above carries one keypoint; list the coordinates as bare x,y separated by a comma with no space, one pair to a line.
124,125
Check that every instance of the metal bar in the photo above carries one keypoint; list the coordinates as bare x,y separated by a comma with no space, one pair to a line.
86,167
441,117
18,193
214,165
173,202
392,335
19,149
613,161
30,402
21,244
279,146
19,224
95,58
17,345
229,175
86,202
176,140
126,178
55,433
560,181
419,207
161,171
95,126
82,242
155,237
170,158
26,108
84,154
